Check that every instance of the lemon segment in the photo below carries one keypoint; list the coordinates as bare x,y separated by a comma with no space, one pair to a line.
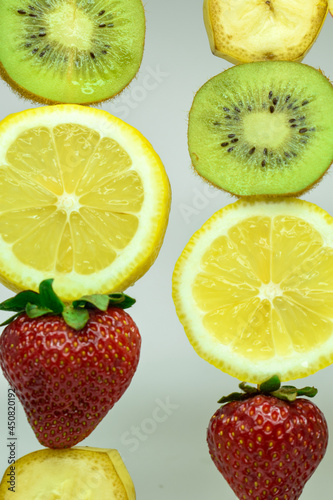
84,199
253,289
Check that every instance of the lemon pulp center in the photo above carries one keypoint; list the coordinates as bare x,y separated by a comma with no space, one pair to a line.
68,203
269,291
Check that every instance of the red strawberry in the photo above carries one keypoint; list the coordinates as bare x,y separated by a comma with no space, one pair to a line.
68,379
265,447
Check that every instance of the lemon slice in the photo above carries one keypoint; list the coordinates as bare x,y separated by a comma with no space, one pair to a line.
84,199
253,289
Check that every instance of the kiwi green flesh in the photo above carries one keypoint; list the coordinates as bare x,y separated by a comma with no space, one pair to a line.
263,128
78,52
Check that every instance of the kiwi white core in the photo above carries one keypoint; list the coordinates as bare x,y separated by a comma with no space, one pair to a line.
261,129
76,33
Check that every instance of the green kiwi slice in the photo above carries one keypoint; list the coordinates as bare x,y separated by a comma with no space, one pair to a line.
70,51
263,128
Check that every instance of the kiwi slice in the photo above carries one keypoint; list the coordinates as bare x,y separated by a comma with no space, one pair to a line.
263,128
70,51
263,30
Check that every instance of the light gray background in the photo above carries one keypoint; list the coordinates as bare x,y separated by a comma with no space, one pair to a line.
170,459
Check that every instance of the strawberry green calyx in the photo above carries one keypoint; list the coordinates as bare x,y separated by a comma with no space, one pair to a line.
271,387
76,314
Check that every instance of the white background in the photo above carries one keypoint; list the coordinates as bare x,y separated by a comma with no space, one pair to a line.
170,460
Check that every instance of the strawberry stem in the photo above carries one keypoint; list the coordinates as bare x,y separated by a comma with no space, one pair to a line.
46,301
271,387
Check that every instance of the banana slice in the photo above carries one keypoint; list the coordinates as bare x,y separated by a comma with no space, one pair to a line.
263,30
80,473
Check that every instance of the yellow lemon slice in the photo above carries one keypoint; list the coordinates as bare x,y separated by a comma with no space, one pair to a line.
78,473
84,199
253,289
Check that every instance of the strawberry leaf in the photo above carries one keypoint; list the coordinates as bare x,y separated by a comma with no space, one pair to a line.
76,318
102,302
285,395
9,320
310,392
248,388
234,396
19,302
99,301
48,298
121,300
270,385
34,311
46,301
290,393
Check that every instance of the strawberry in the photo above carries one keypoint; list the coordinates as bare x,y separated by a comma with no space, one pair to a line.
68,364
265,442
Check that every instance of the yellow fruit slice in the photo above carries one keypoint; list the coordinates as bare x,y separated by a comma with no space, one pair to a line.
260,30
253,289
84,199
75,474
330,6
